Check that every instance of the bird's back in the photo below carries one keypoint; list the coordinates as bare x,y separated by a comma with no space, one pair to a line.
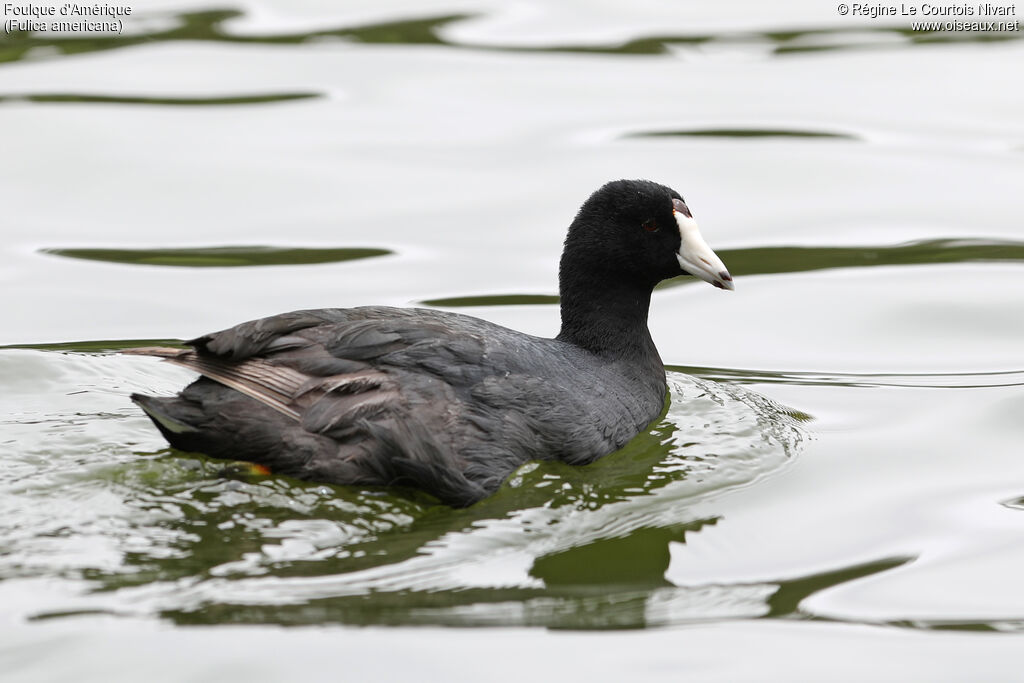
442,402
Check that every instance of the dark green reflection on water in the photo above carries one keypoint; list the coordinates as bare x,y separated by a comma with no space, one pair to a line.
750,261
637,560
786,601
797,259
221,257
1016,504
742,133
805,41
168,101
208,25
577,606
794,259
493,300
604,584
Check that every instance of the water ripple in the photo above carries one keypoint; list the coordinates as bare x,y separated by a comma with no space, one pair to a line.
802,259
209,25
936,380
742,133
220,257
221,100
155,531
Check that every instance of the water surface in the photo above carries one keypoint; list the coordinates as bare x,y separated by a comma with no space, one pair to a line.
838,470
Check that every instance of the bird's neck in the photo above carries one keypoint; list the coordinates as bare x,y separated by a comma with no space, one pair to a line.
605,315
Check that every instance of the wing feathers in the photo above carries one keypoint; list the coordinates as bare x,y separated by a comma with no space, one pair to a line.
322,404
275,386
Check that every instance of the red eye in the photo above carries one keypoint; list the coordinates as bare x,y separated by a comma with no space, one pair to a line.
650,226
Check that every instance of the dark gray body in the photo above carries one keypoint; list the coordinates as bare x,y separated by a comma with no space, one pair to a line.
443,402
438,401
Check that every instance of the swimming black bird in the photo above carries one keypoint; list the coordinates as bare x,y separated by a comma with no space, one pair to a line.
442,402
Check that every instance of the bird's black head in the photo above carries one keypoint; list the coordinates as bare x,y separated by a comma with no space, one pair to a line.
639,233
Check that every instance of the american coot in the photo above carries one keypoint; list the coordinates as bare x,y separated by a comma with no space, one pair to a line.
443,402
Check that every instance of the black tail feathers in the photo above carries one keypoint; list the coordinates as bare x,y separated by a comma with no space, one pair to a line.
167,415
